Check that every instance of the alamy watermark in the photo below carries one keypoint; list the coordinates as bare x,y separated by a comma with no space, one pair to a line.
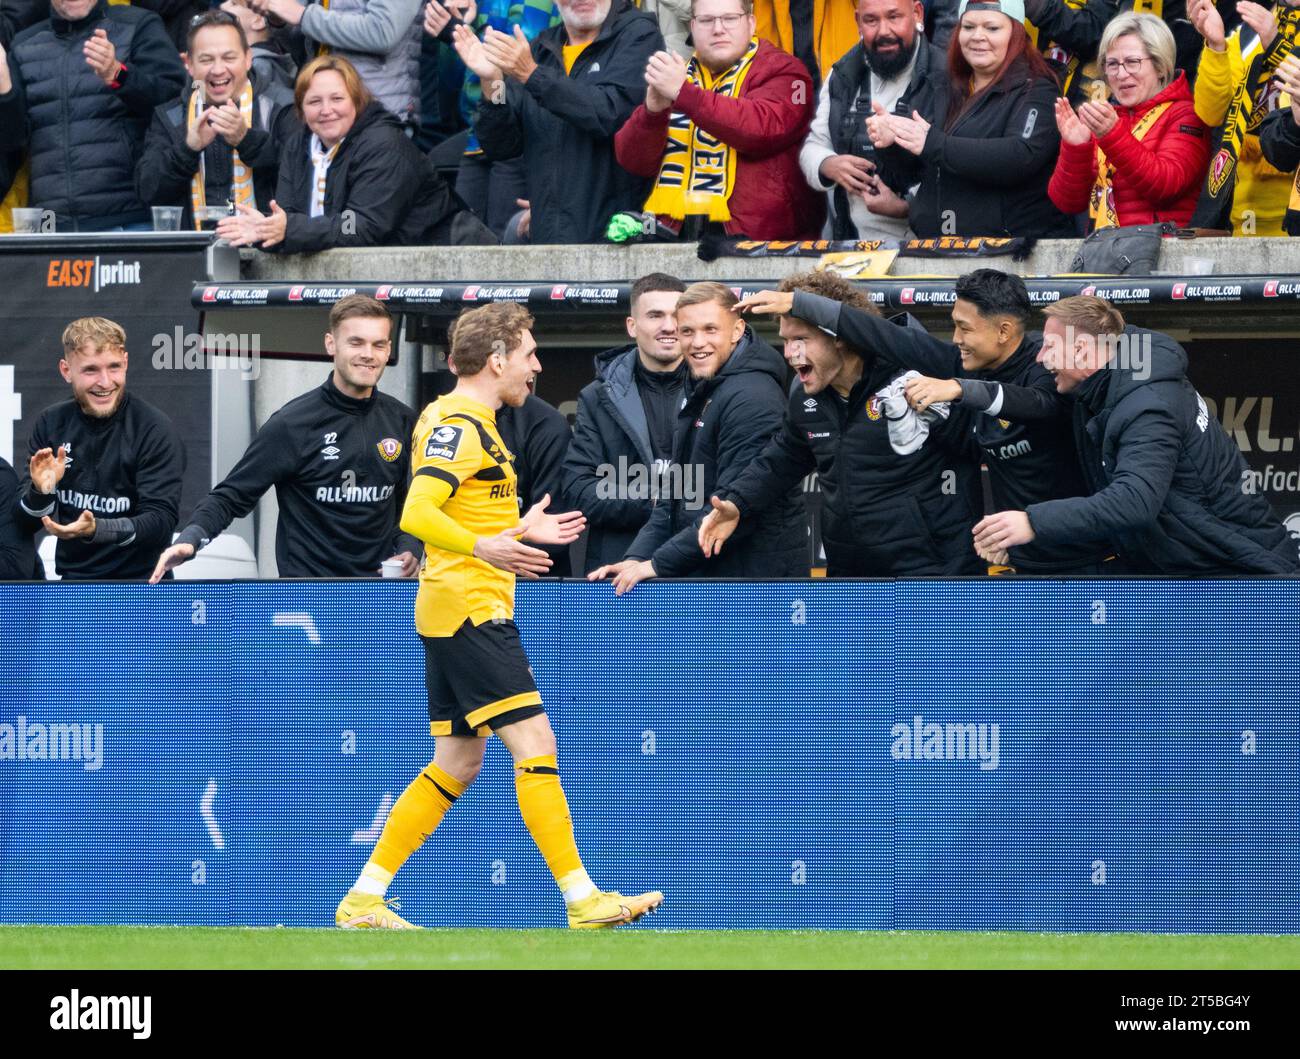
663,480
188,351
37,741
1122,352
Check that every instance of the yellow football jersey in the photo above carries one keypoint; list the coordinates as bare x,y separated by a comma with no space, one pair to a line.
460,465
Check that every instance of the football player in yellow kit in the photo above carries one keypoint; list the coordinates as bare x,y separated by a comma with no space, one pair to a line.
463,504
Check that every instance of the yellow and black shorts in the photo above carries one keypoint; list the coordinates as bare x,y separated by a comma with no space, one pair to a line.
479,680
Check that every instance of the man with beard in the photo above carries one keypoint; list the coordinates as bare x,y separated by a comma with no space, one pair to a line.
338,459
892,66
735,400
623,434
105,469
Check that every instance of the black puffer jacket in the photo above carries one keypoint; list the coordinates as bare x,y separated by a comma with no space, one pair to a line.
564,126
988,174
1169,485
380,190
726,422
167,165
84,137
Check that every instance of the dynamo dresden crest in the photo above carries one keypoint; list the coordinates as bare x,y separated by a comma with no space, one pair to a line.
389,449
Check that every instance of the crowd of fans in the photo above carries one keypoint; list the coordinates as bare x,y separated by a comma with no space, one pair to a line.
298,127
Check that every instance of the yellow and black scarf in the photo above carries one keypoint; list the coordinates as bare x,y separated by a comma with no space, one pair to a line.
1101,203
1248,109
698,171
241,184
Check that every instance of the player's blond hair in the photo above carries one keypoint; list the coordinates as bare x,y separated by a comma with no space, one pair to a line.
708,291
99,332
1088,315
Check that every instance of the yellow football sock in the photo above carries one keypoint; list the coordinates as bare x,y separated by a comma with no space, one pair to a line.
414,818
546,814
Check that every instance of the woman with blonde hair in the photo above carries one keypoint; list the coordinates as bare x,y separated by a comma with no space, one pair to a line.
349,176
1142,160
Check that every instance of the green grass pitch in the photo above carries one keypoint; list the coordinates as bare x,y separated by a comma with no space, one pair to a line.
198,948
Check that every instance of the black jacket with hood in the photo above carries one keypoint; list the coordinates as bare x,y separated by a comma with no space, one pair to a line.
884,514
1170,488
380,190
610,431
726,422
988,174
564,126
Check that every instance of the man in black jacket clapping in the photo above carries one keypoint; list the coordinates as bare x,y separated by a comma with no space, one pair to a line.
220,141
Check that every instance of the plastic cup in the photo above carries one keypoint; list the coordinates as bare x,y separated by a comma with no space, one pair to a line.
27,219
209,216
391,567
167,218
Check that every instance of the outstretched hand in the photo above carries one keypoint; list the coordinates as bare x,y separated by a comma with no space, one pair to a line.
718,526
542,527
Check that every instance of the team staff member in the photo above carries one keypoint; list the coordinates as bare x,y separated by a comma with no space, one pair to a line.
1168,486
1017,419
539,437
734,402
106,468
626,418
463,505
337,457
899,488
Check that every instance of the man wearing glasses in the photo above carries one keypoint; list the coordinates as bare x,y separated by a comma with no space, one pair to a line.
720,134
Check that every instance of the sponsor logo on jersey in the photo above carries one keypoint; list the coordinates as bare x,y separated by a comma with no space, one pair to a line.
443,443
389,449
810,404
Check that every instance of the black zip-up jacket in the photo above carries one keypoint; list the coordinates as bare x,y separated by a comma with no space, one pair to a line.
83,136
340,466
847,124
17,15
167,165
126,470
988,174
725,423
611,431
1024,434
538,437
1169,487
17,546
391,189
883,514
564,126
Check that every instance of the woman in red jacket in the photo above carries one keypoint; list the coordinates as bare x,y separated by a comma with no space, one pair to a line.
1143,161
721,134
